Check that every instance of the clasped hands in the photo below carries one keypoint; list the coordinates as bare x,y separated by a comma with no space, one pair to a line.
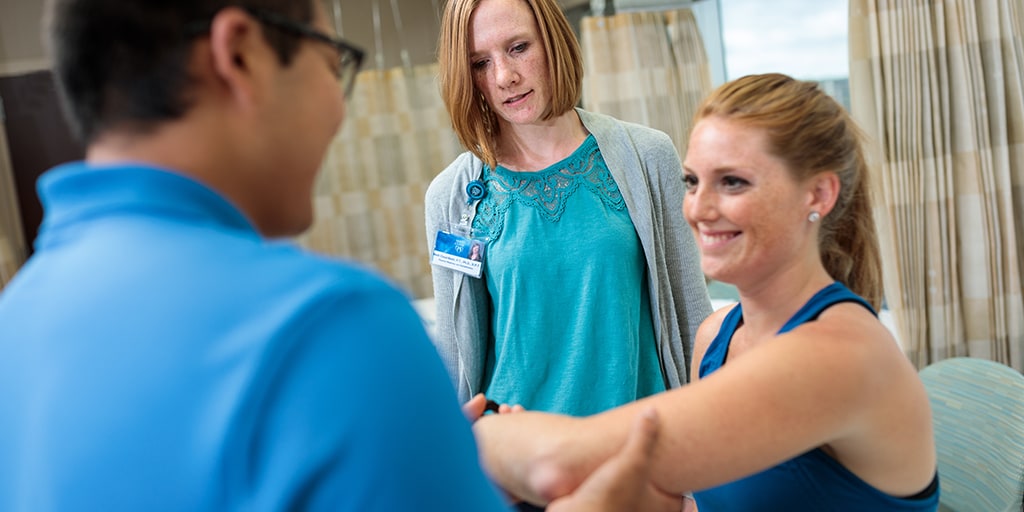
620,483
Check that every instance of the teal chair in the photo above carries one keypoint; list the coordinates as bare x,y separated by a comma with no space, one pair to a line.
978,412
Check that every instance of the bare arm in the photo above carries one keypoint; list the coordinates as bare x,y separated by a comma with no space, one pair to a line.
528,458
817,385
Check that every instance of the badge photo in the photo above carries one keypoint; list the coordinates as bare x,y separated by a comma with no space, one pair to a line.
459,253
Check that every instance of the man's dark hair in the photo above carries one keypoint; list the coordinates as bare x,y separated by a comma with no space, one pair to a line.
125,62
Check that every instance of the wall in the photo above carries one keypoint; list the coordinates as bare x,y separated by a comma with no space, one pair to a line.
21,50
21,47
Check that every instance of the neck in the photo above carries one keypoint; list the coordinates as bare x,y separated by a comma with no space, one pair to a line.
537,146
207,152
771,302
190,147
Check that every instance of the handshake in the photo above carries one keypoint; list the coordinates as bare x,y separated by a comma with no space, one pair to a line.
622,482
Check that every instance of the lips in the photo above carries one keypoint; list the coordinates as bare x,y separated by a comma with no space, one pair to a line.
516,98
716,238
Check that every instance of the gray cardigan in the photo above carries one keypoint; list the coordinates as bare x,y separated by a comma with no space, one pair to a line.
647,169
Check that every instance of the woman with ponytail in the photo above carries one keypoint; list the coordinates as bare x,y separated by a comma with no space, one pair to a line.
802,399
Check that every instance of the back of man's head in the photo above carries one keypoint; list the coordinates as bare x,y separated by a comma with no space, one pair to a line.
123,64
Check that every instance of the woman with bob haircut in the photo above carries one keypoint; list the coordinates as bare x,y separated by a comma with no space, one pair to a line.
590,292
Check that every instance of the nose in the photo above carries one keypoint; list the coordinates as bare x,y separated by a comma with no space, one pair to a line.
699,205
505,74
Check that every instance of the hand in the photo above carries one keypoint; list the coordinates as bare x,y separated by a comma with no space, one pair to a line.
477,406
623,481
689,505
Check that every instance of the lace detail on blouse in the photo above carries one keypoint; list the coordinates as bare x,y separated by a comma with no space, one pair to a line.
546,190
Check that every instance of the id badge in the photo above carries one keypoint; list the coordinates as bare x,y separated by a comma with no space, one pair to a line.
460,253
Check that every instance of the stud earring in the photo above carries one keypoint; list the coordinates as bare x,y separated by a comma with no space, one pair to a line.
814,217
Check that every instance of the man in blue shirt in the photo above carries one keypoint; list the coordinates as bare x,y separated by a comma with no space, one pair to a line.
160,351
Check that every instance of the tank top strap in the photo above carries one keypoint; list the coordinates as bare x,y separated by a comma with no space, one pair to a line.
825,298
715,355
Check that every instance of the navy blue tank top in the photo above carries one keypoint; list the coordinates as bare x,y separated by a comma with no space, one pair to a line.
813,481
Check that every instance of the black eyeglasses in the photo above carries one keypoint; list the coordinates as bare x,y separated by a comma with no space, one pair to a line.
350,58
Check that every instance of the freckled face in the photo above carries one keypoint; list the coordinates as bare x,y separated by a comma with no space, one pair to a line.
508,62
748,214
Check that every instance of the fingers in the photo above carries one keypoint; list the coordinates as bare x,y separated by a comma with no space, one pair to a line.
664,502
505,408
479,404
475,407
643,437
623,481
689,505
637,453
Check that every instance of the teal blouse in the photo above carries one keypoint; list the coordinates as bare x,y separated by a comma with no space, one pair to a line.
572,328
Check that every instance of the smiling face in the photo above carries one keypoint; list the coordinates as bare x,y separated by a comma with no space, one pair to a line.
508,61
748,214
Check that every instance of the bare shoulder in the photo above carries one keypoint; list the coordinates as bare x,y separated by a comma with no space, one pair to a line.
852,329
844,357
848,350
887,439
854,338
710,326
705,334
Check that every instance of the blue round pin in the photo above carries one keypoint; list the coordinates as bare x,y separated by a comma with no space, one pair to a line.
475,191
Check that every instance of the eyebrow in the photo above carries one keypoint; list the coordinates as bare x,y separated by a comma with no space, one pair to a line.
717,171
508,42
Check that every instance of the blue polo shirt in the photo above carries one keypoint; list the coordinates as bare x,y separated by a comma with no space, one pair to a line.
157,354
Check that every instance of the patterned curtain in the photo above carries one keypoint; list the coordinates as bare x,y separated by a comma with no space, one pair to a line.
646,67
369,197
12,243
938,85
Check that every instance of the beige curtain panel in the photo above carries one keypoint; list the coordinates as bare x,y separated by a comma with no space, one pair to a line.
646,67
938,85
12,242
369,196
